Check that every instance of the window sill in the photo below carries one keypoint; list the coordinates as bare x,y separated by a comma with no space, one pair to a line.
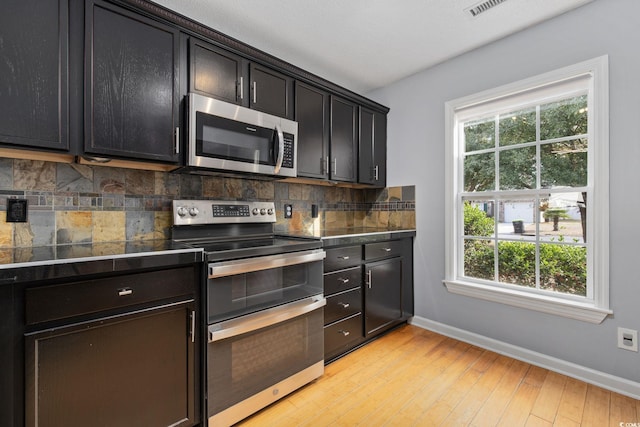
545,304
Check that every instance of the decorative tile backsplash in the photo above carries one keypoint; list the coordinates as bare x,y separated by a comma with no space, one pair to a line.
71,203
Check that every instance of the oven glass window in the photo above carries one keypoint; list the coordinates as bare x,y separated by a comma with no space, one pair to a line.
228,139
241,294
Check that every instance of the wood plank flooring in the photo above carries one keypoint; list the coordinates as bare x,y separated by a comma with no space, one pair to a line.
414,377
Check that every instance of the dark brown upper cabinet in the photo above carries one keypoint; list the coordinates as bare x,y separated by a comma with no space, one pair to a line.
312,115
271,92
34,37
343,140
223,75
215,72
131,85
372,148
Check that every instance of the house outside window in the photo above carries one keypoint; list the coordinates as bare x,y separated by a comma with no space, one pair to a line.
527,193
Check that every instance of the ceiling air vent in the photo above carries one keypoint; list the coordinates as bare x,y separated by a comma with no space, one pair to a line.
483,7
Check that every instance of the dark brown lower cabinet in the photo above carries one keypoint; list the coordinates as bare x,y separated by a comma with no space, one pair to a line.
129,370
369,290
383,294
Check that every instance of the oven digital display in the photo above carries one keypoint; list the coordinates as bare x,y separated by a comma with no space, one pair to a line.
230,210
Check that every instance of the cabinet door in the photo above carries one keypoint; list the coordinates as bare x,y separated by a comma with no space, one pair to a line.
33,73
132,370
383,303
365,147
131,94
312,115
372,153
216,72
271,92
380,149
344,143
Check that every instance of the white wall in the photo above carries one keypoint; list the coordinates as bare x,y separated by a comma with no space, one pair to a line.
416,156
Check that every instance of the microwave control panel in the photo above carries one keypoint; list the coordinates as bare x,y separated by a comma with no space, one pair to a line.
287,157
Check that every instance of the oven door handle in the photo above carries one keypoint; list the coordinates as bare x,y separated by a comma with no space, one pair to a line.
230,268
264,318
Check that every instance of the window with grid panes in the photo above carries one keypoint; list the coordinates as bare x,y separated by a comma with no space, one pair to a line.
527,193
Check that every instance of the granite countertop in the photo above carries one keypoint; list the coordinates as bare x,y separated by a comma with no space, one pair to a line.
47,262
354,235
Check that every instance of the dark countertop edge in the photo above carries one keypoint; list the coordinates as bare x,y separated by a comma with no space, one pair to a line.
357,237
97,258
409,231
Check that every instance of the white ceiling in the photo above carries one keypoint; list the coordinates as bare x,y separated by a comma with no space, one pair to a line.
366,44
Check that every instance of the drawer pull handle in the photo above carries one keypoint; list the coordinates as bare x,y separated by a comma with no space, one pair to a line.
125,291
368,281
386,249
343,280
344,258
343,304
345,333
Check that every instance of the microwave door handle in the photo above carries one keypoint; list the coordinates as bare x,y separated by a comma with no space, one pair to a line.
280,156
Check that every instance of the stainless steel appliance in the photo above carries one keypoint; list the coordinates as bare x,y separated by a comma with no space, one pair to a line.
230,138
264,308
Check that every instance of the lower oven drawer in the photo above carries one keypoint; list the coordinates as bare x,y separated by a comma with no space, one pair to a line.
343,305
256,359
342,334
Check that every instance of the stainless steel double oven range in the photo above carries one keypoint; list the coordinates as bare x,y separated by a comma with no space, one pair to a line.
264,305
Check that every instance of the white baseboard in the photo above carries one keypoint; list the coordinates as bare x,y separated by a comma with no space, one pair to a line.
588,375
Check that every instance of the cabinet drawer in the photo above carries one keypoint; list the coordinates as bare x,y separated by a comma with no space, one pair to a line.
85,297
380,250
341,258
342,280
343,305
341,334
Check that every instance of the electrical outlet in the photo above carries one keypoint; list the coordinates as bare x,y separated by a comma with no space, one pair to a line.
288,211
17,210
628,339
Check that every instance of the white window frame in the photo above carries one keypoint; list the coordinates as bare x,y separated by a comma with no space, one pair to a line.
595,308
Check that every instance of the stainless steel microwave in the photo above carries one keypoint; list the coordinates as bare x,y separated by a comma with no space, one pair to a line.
229,138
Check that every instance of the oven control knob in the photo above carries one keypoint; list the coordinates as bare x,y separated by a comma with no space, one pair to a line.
270,211
255,211
193,211
263,211
182,211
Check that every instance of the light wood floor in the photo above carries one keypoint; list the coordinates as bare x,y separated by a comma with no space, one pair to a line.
413,377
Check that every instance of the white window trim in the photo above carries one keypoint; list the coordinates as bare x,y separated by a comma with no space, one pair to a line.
593,312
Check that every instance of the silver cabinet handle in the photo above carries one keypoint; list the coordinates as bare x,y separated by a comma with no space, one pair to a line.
345,333
343,304
241,88
193,326
344,258
255,92
386,249
375,173
335,165
177,150
125,291
369,279
343,280
326,168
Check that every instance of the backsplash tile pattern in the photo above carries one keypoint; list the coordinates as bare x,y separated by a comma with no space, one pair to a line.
70,203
